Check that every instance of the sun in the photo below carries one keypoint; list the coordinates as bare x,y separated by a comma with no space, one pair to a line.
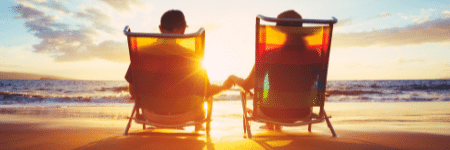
214,66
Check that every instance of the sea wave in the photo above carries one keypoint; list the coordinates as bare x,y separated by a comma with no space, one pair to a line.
114,89
72,91
8,98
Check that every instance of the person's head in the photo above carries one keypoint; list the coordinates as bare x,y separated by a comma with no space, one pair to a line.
289,14
173,21
292,39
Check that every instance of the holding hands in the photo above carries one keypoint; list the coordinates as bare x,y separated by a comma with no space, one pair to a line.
234,80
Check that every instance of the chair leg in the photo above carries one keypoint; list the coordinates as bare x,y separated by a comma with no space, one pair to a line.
209,116
249,132
309,127
243,122
129,121
208,128
329,125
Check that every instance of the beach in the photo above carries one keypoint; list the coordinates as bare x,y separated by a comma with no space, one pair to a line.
71,73
359,125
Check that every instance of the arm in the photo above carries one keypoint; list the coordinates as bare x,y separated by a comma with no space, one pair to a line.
128,74
130,86
215,89
247,83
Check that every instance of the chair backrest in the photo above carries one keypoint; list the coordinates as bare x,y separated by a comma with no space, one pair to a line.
166,69
291,63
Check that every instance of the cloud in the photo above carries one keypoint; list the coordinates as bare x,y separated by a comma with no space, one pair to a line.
37,1
99,19
66,44
357,65
54,4
26,12
122,5
445,65
404,61
434,31
383,15
10,66
107,50
404,17
424,16
446,12
344,22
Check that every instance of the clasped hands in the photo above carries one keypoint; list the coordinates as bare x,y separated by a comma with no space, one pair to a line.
233,80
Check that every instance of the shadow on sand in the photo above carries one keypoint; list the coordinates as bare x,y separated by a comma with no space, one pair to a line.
351,140
154,139
32,136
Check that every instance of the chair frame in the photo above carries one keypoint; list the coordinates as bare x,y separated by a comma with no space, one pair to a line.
322,114
136,115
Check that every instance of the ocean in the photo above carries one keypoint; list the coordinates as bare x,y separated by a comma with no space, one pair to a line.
82,92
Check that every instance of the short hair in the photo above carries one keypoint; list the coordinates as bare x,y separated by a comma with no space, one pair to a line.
173,19
289,14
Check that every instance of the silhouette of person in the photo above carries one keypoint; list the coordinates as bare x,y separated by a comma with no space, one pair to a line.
283,78
171,73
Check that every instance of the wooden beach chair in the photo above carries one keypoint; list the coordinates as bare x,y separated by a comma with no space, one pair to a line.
158,56
284,55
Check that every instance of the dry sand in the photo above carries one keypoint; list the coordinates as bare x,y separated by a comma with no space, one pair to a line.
409,125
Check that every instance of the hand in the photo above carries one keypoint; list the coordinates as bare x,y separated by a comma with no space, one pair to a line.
237,80
228,83
245,85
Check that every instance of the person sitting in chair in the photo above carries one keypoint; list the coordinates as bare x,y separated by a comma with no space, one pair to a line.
287,79
176,78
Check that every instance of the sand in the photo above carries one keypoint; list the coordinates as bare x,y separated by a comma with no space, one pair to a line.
401,125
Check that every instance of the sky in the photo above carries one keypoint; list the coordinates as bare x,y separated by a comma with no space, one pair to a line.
83,39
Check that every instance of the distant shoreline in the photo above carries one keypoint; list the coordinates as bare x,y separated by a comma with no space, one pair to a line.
29,76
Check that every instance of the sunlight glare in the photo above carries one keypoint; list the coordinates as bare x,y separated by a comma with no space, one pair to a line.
205,106
212,65
202,64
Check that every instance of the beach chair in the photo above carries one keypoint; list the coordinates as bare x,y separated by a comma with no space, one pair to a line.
181,92
283,56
